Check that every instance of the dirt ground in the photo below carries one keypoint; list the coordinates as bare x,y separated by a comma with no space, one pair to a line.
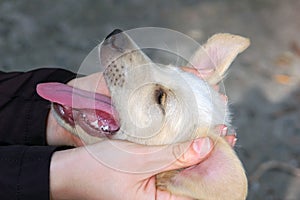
263,84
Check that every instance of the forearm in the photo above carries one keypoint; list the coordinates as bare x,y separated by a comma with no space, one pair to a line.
23,113
24,171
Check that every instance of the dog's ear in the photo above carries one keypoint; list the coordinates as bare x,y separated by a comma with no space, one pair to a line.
119,48
213,58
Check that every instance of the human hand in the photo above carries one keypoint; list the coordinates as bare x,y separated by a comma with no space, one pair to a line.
120,170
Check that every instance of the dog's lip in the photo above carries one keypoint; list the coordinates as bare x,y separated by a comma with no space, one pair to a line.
94,122
93,112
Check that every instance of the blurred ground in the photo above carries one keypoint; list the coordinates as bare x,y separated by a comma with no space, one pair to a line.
263,84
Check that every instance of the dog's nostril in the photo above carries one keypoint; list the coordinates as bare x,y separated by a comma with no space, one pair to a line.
114,32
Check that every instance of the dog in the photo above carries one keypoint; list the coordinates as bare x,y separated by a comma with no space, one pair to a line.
153,104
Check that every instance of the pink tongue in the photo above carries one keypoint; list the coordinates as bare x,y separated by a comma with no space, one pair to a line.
75,98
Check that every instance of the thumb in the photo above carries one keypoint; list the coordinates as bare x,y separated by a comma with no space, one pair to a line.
189,153
140,159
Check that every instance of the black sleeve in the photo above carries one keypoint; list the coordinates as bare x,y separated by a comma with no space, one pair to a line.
24,156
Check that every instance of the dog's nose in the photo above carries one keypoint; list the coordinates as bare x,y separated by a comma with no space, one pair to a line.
119,48
118,42
114,32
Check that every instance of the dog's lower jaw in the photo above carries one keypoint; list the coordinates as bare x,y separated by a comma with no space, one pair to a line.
220,177
80,136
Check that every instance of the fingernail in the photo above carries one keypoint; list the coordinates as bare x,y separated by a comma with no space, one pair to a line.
224,130
202,146
233,142
232,131
231,139
225,98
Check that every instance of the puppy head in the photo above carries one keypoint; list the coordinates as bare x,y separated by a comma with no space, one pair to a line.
163,104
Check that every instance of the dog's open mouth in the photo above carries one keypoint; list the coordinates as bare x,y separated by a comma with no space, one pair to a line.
93,112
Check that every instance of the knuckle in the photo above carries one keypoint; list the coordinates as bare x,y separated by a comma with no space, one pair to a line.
181,154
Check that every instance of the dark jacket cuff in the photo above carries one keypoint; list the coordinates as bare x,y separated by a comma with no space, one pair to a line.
24,172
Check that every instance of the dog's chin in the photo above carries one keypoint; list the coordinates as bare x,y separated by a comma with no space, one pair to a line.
95,123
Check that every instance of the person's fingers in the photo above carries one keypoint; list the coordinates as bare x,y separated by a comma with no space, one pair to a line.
134,158
229,136
186,156
224,98
231,139
202,74
216,88
182,155
196,72
191,70
221,130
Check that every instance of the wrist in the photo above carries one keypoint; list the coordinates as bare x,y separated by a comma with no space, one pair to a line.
63,175
57,177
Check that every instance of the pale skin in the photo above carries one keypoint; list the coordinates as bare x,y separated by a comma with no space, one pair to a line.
76,174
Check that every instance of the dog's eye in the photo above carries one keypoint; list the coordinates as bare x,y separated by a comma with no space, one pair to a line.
160,96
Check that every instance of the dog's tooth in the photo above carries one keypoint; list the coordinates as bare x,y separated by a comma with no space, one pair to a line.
95,124
61,110
105,128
